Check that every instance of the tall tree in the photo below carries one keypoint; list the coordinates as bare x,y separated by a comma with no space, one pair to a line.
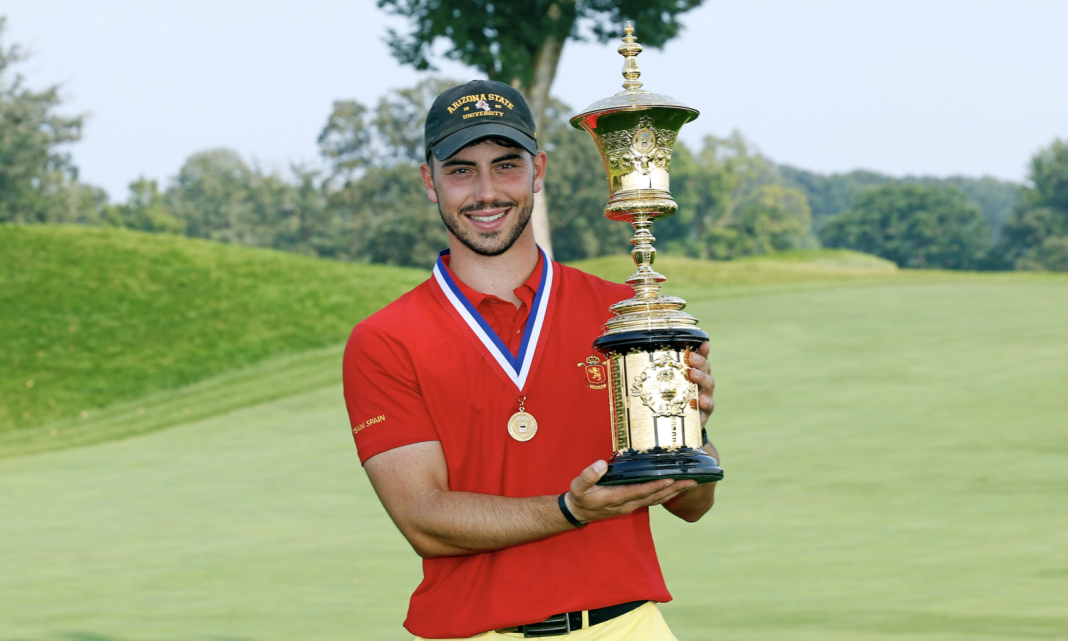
37,178
519,43
1036,236
356,138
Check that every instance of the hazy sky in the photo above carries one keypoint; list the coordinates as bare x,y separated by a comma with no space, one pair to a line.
942,87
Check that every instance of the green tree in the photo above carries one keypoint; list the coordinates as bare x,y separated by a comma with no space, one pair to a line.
146,209
832,194
38,182
579,192
387,218
1036,236
356,138
375,196
216,195
210,196
519,43
1050,255
345,142
921,226
306,224
996,198
732,202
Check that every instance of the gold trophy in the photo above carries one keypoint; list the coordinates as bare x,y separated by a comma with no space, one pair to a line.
656,425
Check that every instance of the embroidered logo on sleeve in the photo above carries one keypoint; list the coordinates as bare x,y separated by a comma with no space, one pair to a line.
368,423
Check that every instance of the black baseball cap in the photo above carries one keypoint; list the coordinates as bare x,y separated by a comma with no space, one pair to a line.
480,109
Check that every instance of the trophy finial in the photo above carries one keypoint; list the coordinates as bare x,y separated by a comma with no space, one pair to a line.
630,50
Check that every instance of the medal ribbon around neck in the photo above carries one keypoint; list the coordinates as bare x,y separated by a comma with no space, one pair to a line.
515,368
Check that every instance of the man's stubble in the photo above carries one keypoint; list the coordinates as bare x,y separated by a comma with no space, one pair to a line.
487,247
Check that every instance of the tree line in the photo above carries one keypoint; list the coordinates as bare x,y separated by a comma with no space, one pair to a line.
366,201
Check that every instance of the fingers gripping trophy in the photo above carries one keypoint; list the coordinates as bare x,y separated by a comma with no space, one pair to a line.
656,423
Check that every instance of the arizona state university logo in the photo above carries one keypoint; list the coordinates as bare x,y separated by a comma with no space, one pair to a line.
595,373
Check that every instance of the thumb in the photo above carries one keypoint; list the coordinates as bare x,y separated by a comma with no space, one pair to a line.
589,478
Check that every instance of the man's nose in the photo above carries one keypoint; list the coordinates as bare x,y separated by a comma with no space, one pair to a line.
486,190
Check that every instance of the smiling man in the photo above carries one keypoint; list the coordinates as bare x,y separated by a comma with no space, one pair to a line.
477,424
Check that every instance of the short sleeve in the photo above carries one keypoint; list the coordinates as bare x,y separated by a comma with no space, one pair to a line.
386,407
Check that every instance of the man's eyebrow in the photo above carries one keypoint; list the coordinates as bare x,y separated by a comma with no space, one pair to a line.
468,163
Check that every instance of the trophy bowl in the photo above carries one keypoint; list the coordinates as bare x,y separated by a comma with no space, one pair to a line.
656,423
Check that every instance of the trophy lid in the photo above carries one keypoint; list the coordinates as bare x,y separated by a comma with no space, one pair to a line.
633,97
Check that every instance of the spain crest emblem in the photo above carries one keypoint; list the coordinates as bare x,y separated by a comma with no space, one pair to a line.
596,377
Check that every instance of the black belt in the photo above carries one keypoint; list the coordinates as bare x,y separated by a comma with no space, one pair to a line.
568,622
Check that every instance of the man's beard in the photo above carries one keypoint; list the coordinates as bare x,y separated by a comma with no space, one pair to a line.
492,243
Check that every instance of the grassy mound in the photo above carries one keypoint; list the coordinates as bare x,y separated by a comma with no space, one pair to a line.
94,317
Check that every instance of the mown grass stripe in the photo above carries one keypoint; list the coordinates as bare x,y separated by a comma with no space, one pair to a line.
272,379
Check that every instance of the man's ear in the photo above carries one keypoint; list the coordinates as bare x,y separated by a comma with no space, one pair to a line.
428,182
540,162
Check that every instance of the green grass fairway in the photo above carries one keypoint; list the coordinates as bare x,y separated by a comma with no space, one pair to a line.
896,447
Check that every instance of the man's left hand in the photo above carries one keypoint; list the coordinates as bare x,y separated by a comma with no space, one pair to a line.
692,503
701,373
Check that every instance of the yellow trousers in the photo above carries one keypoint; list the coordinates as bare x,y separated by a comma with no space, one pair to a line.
642,624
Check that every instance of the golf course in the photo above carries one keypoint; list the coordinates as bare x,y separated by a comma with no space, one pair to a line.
176,461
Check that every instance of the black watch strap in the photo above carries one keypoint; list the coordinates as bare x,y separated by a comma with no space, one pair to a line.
567,513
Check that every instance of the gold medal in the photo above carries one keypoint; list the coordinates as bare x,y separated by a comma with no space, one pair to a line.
522,426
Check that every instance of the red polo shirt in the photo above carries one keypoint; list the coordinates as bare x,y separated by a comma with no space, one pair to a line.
416,371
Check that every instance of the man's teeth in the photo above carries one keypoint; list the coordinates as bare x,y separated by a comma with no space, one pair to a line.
487,219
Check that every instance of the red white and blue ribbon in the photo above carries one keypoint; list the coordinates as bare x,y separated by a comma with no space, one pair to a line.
515,368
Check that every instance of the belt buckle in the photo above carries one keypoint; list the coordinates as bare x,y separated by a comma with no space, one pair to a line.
556,625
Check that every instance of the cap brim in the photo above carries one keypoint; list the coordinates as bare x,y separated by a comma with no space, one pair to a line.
454,143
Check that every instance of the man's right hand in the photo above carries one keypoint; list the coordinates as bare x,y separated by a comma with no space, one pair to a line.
589,501
413,483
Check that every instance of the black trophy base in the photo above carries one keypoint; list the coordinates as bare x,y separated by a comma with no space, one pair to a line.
681,464
650,340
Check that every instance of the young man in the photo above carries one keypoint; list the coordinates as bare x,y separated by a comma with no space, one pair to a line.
475,420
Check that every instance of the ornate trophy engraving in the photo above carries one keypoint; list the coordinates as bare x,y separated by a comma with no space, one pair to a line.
655,422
